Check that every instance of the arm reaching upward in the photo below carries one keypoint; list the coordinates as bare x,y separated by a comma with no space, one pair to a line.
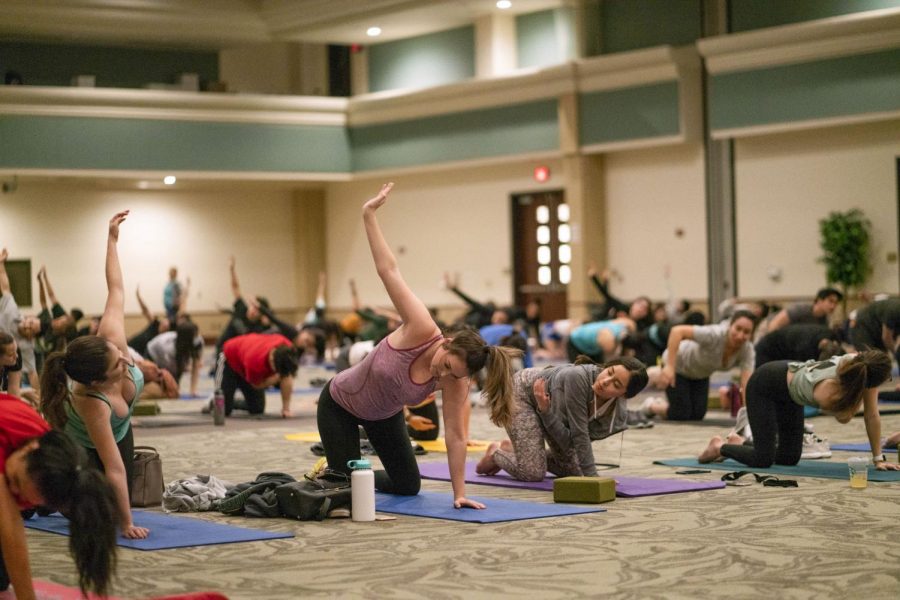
144,310
417,322
4,278
112,324
235,284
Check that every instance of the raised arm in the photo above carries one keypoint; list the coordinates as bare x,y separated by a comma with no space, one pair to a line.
354,297
144,310
235,284
42,294
4,277
112,323
50,293
417,322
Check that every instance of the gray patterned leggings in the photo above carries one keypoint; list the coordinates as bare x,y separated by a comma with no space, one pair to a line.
530,458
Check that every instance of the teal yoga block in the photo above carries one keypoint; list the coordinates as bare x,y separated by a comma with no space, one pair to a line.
588,490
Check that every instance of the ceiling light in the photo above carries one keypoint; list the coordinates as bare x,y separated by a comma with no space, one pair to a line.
373,31
169,180
504,4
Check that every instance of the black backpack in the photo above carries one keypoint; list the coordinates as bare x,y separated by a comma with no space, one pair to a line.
311,499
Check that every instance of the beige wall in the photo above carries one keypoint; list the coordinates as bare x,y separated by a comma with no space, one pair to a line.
785,183
651,195
455,220
65,228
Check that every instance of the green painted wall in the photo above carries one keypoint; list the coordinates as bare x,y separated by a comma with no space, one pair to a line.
94,143
746,15
423,61
545,38
841,86
507,130
51,64
633,24
633,113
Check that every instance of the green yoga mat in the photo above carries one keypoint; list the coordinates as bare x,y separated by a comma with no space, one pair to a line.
805,468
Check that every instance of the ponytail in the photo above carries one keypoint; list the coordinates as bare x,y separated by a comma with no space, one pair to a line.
85,360
498,385
61,473
54,390
868,369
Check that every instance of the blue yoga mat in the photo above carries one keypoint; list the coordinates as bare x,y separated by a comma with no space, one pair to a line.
806,468
440,506
860,447
168,531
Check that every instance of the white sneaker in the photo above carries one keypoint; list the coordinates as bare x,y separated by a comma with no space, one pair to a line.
815,447
741,422
808,427
647,404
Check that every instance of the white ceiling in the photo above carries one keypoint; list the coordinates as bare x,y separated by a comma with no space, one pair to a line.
218,24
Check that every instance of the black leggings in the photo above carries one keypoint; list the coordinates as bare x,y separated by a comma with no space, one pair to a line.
688,400
126,450
429,411
228,380
339,430
775,419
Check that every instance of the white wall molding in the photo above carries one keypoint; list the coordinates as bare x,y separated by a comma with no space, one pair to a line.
635,144
525,85
635,68
168,105
260,176
846,35
459,164
772,128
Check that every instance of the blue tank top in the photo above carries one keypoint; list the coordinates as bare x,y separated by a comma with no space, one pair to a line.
75,425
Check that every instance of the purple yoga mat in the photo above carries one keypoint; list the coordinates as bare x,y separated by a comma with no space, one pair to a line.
626,487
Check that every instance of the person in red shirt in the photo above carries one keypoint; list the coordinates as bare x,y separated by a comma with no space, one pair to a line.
253,362
40,467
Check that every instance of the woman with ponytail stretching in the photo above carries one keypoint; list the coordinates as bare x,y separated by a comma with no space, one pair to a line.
39,467
556,406
777,393
402,370
96,413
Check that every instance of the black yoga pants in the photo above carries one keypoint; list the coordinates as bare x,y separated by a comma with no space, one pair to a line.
775,419
339,430
688,400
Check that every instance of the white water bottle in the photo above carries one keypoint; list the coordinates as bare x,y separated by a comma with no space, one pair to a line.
362,490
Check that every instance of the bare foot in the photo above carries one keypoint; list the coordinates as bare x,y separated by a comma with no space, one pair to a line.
734,439
487,466
506,445
286,413
712,452
892,440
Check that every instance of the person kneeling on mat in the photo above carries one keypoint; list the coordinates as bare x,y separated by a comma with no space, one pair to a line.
777,393
40,467
583,395
253,362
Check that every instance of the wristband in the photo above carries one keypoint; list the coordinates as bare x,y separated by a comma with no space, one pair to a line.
879,458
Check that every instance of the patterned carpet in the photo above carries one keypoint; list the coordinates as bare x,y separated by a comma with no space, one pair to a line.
820,540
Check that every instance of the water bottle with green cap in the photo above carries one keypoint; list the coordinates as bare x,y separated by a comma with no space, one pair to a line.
362,486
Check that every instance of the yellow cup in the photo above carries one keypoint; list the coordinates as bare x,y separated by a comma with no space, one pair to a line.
859,472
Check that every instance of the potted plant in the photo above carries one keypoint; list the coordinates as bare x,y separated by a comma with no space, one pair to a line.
845,241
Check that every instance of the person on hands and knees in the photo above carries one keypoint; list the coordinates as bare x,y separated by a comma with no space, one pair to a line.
105,386
402,370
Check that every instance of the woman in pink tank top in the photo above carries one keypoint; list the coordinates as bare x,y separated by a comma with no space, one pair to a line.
402,370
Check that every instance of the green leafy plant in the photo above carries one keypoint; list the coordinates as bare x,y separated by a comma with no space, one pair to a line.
845,241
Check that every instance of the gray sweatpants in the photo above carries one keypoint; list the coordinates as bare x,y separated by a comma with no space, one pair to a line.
530,457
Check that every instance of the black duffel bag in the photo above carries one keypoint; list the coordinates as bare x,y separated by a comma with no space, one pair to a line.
312,498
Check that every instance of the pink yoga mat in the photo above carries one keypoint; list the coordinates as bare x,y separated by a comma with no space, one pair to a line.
626,487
